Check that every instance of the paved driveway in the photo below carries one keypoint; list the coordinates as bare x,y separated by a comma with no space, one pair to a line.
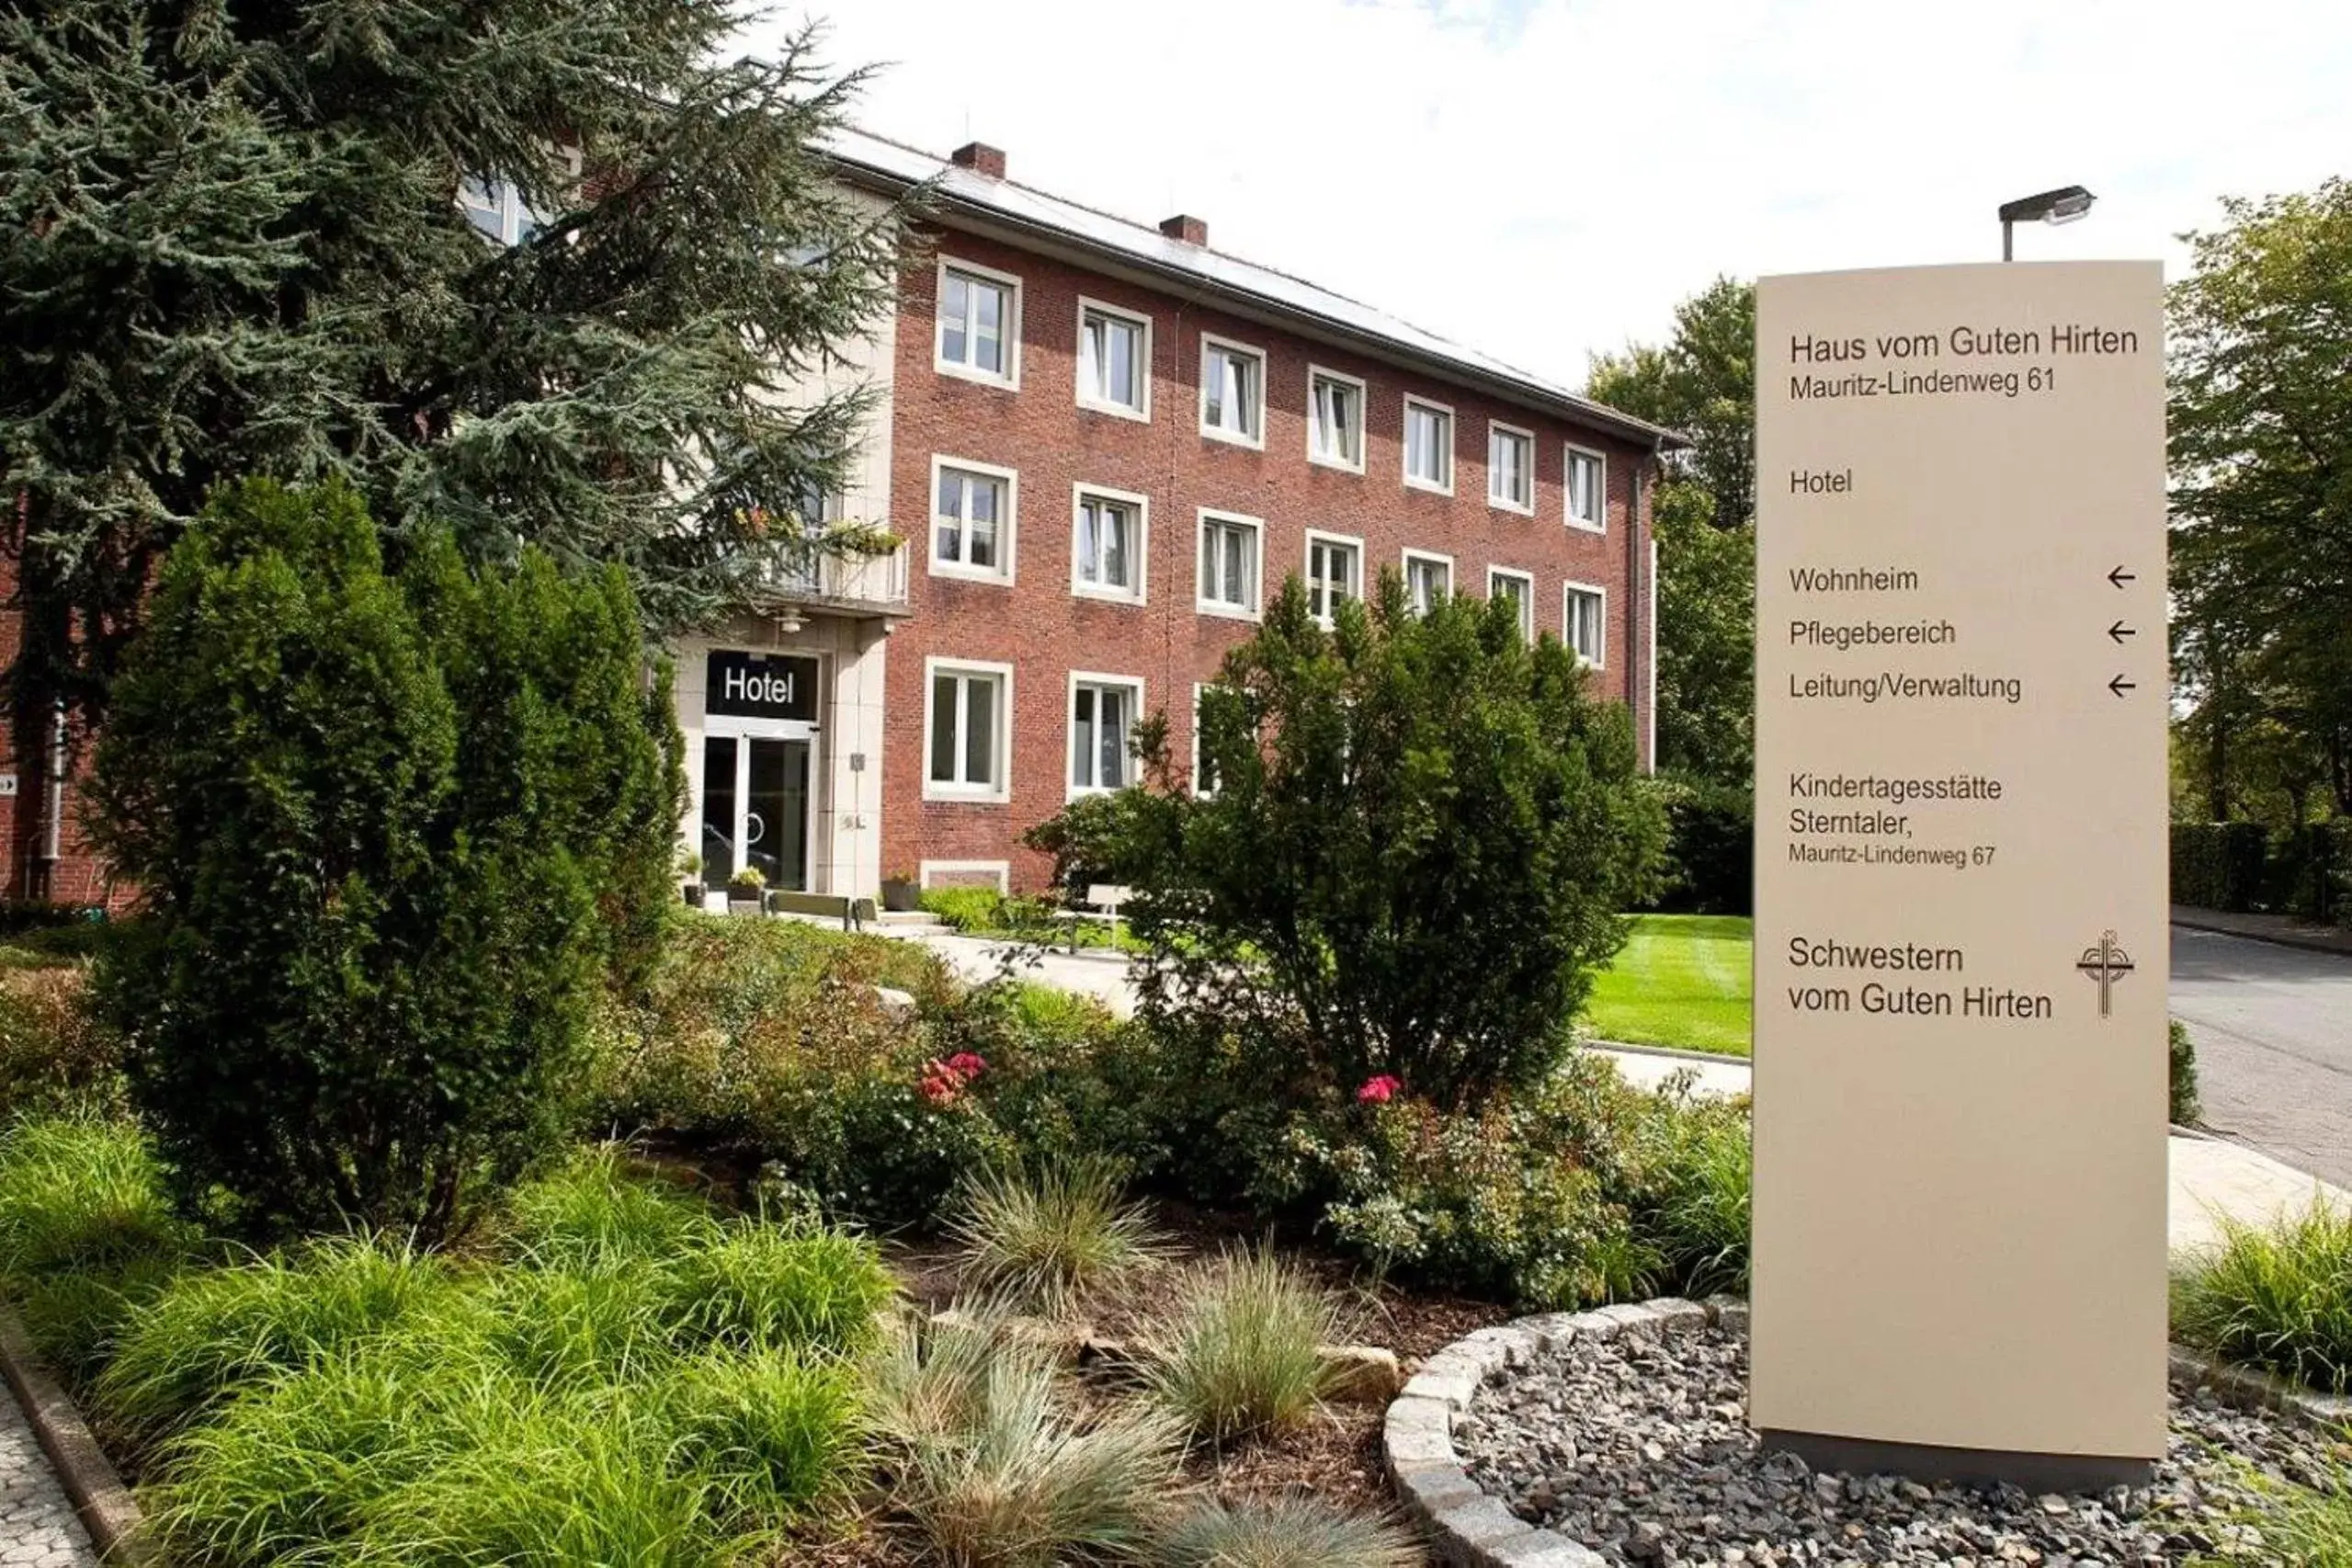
2273,1028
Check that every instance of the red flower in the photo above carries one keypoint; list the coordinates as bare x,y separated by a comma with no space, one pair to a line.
1378,1090
944,1082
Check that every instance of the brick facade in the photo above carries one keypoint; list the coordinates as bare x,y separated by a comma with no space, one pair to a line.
1034,624
1040,627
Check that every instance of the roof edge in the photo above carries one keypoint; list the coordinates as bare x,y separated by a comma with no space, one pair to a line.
1571,405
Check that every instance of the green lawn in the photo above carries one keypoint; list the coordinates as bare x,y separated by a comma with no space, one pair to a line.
1681,980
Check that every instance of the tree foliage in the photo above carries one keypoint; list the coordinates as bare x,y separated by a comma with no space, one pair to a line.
2261,435
1421,835
1706,639
1702,382
231,244
393,829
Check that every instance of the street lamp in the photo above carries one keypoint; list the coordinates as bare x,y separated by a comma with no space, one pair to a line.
2061,206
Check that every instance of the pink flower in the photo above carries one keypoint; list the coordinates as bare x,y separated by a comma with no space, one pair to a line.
1379,1090
967,1066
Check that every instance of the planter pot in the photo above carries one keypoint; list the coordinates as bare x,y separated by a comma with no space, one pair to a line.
740,903
901,896
692,892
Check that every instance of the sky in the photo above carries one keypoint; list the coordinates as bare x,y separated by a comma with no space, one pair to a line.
1542,179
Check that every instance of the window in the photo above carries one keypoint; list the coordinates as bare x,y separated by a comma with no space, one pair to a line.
1102,717
1587,621
1114,360
1428,445
1204,773
1335,420
1229,561
972,519
969,703
1109,544
1510,467
1585,488
1428,579
1334,572
1502,583
817,505
980,324
1233,391
497,208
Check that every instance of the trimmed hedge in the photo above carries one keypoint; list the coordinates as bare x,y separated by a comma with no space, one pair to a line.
1710,854
2240,867
2220,865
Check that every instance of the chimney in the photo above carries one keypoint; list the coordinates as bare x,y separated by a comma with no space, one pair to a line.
980,158
1184,226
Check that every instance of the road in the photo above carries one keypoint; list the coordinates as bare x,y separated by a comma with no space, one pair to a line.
2273,1030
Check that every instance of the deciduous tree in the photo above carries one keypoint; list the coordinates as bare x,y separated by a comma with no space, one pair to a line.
2261,434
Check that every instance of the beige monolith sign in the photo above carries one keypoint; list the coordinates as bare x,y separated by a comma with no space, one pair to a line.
1961,944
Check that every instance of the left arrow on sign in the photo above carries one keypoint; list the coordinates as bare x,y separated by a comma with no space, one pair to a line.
2120,685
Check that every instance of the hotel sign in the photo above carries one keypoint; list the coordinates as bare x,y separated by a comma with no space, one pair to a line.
760,686
1961,868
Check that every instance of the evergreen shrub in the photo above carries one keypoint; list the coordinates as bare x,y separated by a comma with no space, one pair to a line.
393,826
1422,836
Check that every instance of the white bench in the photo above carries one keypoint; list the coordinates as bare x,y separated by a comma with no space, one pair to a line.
1101,905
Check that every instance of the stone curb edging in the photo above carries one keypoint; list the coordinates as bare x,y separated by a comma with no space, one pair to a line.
2249,1388
2320,939
108,1511
1468,1528
1670,1052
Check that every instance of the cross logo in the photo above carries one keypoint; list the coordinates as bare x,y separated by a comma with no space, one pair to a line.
2106,963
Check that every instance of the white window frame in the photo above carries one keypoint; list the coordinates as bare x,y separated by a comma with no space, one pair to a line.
1142,552
1193,782
1411,556
1070,727
1010,379
1001,869
1307,565
1363,418
1201,599
1495,427
512,210
1568,592
1010,531
1404,445
937,665
1210,341
1568,490
1525,580
1143,368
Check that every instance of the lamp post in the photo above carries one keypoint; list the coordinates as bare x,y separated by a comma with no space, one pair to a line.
2061,206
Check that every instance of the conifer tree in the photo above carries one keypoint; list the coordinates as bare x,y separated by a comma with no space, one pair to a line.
232,243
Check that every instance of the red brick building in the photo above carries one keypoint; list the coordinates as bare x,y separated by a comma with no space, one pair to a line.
1105,446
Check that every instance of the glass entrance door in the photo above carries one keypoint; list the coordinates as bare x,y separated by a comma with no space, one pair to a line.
755,808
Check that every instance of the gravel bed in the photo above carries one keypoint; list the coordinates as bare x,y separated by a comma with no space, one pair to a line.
1639,1448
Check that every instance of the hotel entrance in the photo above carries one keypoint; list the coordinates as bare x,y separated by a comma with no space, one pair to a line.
759,745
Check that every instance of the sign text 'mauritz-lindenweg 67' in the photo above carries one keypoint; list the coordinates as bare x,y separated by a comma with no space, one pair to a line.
1960,866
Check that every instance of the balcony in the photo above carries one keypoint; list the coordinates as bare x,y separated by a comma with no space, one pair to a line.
832,578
